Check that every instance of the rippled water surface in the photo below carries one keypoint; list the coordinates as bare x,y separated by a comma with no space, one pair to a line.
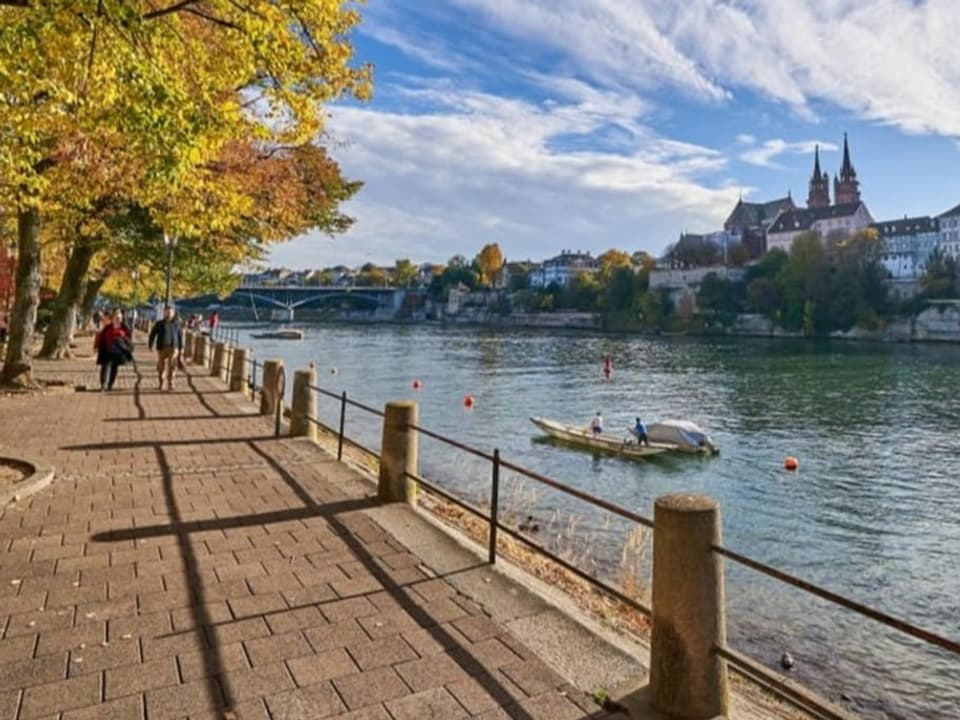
873,513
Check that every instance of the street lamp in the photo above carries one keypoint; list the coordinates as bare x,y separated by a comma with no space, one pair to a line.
170,242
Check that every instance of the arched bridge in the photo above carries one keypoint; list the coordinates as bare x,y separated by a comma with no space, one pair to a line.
290,298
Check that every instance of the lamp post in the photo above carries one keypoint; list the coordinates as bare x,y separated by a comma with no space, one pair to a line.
135,274
170,242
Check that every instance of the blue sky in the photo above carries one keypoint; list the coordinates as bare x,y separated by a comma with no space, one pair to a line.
588,124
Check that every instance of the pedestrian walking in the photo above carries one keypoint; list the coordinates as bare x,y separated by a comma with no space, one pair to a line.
114,348
167,337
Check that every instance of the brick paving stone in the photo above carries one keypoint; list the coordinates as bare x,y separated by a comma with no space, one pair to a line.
266,650
100,656
533,676
257,604
38,621
322,666
377,653
173,644
270,679
9,704
477,627
435,704
178,701
335,635
150,625
484,692
78,692
433,640
196,664
551,706
59,598
238,630
370,688
391,622
315,701
17,648
431,672
20,673
127,708
289,620
136,678
339,610
485,656
190,618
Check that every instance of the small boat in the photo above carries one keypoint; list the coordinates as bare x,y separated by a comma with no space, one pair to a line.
604,442
674,436
285,334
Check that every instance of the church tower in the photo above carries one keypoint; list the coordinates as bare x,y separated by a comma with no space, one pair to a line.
819,195
846,187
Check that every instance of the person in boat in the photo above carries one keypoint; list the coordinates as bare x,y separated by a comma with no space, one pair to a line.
596,425
640,432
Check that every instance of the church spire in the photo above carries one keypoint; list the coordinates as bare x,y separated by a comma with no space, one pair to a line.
846,187
819,195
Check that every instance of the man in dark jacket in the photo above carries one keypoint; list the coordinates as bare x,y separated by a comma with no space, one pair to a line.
168,338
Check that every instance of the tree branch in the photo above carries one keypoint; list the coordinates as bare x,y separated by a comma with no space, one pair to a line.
176,7
214,20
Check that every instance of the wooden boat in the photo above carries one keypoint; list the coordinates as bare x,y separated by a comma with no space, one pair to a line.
603,442
285,334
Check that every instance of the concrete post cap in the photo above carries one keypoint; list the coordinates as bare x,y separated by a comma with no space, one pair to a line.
402,404
686,502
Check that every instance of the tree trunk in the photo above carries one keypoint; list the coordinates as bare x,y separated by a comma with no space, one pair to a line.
16,365
56,342
90,292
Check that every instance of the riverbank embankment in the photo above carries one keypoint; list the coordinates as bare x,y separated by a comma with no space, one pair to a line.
187,561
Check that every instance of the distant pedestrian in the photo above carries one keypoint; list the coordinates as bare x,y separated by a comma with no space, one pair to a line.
214,321
596,425
640,431
114,348
167,336
607,366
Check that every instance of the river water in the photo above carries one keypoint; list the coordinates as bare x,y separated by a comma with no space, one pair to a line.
873,512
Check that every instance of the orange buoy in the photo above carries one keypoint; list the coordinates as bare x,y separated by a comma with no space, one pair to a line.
417,384
468,402
791,463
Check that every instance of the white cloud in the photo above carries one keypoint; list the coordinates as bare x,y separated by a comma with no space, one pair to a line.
763,155
746,139
889,61
482,168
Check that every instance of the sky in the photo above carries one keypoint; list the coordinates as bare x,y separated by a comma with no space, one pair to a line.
549,125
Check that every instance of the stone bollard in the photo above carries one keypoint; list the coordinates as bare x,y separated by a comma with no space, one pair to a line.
188,339
201,354
398,453
687,678
218,368
238,370
269,397
304,404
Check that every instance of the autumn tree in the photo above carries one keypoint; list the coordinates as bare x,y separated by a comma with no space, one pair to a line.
405,273
489,263
164,89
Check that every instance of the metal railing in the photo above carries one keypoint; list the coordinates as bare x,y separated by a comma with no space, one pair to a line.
786,689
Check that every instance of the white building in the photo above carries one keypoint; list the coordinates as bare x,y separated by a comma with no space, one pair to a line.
906,245
825,221
563,268
950,232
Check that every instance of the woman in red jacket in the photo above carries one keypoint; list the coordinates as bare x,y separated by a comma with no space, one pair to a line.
113,348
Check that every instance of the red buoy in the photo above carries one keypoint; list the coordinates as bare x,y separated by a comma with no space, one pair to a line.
468,402
791,463
417,384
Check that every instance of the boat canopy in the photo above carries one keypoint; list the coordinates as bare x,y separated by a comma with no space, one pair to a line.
680,432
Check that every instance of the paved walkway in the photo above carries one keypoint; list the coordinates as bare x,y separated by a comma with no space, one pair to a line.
186,564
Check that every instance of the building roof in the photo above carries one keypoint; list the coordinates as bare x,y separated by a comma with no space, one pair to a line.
952,212
748,214
568,257
803,219
906,226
